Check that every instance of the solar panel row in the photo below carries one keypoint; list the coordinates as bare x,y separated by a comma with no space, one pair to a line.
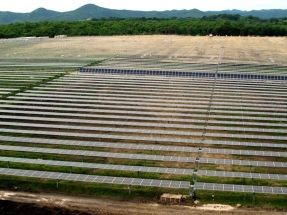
240,188
167,88
143,96
113,110
168,80
162,83
95,178
117,117
139,113
148,84
141,124
143,156
98,154
139,138
130,98
139,146
241,175
219,89
98,166
183,93
141,131
175,73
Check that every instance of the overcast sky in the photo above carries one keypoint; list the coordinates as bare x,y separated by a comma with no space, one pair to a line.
146,5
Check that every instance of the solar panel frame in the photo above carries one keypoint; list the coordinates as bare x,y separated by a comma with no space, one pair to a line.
240,188
95,179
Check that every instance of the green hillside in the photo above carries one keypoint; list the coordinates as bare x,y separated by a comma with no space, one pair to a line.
96,12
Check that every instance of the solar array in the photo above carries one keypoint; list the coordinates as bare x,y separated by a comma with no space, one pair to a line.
13,81
115,111
97,166
143,131
241,175
161,125
98,154
95,179
162,97
117,117
202,124
138,146
191,91
240,188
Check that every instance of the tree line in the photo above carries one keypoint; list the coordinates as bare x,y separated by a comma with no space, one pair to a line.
223,24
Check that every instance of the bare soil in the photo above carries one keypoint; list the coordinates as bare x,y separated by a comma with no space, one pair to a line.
192,49
21,203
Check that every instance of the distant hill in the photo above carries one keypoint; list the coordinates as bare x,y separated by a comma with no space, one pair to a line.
94,11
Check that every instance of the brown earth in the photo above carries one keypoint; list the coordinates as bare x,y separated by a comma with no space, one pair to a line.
176,48
21,203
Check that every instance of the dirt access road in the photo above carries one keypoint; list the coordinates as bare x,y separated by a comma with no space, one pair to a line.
53,204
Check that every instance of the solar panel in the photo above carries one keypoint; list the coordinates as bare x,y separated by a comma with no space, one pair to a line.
193,87
136,98
242,162
143,156
240,188
121,123
160,83
98,154
141,112
105,144
139,84
244,152
190,95
143,131
138,138
241,175
95,178
164,125
183,93
98,166
106,129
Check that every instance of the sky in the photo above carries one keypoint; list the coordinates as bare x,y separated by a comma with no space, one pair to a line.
144,5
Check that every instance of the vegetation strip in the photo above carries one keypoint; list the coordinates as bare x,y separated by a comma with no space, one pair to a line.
223,24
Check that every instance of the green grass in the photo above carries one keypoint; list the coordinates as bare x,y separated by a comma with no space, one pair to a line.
83,188
262,201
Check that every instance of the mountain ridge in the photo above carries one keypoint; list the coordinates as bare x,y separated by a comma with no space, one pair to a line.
93,11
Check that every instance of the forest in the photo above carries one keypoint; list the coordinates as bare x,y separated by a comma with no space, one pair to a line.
222,24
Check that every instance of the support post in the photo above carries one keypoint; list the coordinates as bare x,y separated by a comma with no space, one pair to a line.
57,183
138,174
200,153
192,192
8,163
254,197
196,165
130,189
194,177
23,154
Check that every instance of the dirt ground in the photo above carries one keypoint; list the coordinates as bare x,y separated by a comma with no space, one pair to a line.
21,203
176,48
